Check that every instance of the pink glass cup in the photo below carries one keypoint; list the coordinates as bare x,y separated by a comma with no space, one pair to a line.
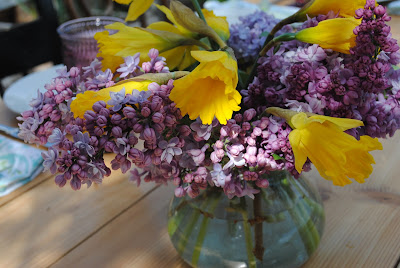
77,36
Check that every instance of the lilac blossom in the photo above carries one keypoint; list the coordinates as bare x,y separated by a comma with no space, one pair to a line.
219,176
82,142
92,69
138,96
130,66
117,99
50,158
170,149
56,137
203,131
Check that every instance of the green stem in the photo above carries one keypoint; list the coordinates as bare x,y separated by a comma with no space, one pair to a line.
258,228
306,227
247,234
203,231
197,6
279,26
317,208
189,228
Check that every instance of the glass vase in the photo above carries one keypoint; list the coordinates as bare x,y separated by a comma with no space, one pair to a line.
281,227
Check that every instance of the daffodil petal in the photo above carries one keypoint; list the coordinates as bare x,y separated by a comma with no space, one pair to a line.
84,101
320,7
343,123
219,24
336,34
137,8
128,41
298,150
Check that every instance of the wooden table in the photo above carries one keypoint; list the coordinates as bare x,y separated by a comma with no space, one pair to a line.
120,225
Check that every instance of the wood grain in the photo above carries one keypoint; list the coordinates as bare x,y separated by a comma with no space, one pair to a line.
41,225
138,238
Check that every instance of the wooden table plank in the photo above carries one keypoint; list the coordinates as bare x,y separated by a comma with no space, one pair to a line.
24,188
138,238
41,225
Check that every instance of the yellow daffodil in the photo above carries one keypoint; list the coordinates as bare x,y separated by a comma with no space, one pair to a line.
336,155
128,41
336,34
210,89
218,24
136,7
84,101
344,9
322,7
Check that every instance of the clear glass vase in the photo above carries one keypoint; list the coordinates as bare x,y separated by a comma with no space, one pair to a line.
281,227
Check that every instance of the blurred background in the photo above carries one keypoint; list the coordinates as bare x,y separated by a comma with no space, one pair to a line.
29,40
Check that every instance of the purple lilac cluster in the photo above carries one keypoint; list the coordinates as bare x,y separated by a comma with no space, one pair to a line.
248,36
51,110
80,160
362,85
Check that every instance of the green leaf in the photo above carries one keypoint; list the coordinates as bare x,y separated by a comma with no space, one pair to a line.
243,76
277,157
395,67
264,34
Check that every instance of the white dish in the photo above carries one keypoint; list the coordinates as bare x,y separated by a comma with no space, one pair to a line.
19,94
233,10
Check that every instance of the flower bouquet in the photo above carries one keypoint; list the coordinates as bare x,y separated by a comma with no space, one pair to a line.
233,115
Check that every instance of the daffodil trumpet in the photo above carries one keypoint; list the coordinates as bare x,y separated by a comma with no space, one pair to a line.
337,155
210,89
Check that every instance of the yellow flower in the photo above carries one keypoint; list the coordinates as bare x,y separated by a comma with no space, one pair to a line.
218,24
336,155
346,8
128,41
210,89
136,8
84,101
336,34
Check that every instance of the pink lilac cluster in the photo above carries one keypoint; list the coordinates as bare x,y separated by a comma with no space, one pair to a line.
362,85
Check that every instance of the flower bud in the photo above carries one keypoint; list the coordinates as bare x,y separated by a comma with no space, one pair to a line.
104,112
159,127
117,132
138,128
97,106
74,72
249,114
146,111
149,134
116,119
179,192
156,103
101,121
185,130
